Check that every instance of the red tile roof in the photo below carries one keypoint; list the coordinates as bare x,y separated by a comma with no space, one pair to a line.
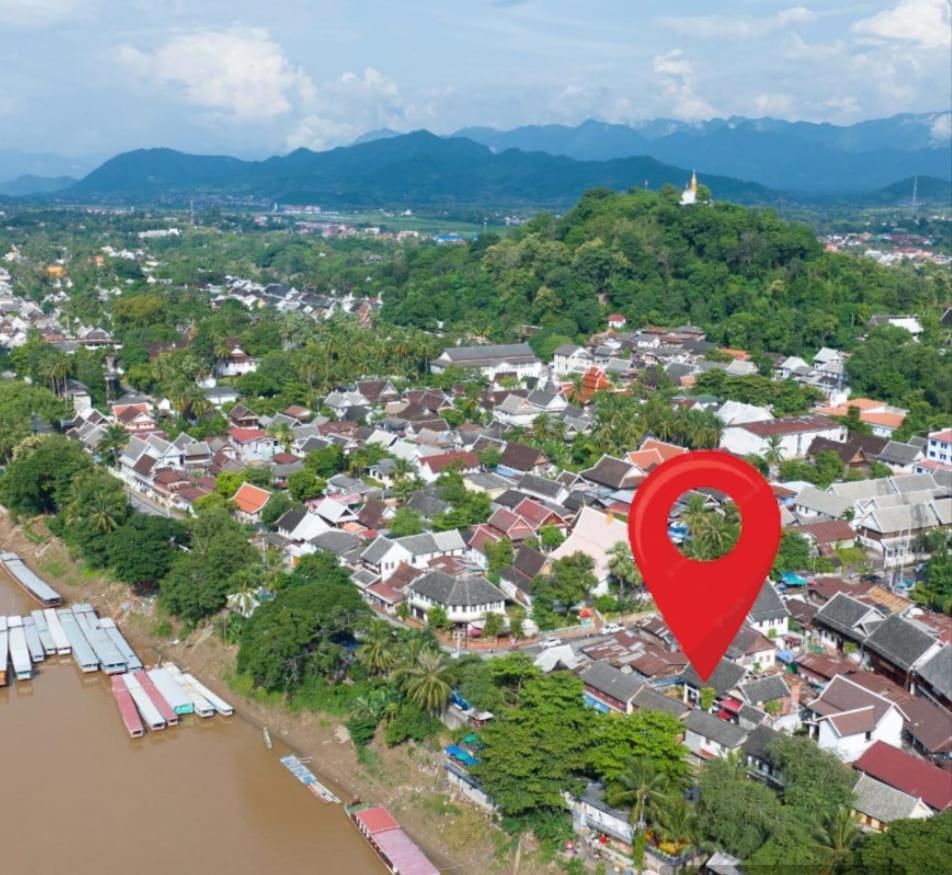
247,435
907,773
250,498
442,461
376,820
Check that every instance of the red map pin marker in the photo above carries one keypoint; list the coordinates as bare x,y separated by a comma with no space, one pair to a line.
704,603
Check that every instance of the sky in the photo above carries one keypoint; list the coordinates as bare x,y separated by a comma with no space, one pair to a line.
85,77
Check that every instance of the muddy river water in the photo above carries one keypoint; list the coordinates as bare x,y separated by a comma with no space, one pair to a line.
79,797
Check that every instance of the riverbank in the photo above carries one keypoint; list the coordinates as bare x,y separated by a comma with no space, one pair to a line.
407,779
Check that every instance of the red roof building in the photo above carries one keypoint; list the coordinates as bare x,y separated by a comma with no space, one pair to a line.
907,773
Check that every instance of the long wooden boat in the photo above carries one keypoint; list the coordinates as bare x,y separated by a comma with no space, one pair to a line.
395,849
34,586
127,708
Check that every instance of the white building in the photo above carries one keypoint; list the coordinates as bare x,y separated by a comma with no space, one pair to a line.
466,599
795,434
508,358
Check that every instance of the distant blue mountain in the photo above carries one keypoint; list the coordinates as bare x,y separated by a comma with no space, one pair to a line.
789,156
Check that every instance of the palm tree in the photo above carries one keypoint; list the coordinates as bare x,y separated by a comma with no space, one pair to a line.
284,436
377,649
643,787
114,438
774,454
694,512
677,822
622,566
426,685
837,838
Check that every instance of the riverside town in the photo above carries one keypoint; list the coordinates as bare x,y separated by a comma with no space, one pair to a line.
316,469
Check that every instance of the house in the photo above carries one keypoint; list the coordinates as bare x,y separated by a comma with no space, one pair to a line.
520,459
299,525
882,418
594,534
876,804
250,501
858,451
825,536
907,773
891,525
237,362
515,580
724,678
795,435
591,814
253,444
608,688
847,718
613,473
709,737
219,396
939,447
465,598
900,457
571,359
897,646
813,503
769,614
432,466
241,416
752,649
135,418
843,620
517,358
933,678
756,753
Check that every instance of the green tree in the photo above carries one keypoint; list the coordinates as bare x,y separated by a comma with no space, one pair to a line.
908,847
815,782
493,624
377,650
405,521
278,505
437,619
537,749
305,484
142,550
792,555
649,736
425,683
38,481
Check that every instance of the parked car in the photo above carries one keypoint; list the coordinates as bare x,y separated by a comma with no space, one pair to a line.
546,643
612,628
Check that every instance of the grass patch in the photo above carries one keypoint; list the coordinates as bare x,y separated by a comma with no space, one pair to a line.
54,568
369,759
32,535
162,629
244,685
317,694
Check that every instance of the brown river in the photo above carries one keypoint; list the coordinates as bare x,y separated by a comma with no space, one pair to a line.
79,797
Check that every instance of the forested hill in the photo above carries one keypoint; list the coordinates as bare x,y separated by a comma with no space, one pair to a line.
752,280
416,170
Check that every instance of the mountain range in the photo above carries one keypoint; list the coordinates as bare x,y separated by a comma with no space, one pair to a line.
418,169
747,160
789,156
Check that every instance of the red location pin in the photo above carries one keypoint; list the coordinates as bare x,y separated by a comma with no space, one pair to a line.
704,603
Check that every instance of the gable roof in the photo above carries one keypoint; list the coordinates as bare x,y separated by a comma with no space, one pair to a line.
765,689
937,671
725,677
878,800
727,735
842,613
899,641
768,606
251,499
519,457
907,773
616,473
465,591
607,679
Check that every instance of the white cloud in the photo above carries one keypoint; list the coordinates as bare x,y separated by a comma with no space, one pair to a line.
923,23
776,105
354,103
743,26
240,73
676,78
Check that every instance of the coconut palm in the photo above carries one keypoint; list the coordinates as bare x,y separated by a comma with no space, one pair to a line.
773,455
622,566
283,435
426,683
837,838
114,438
677,823
643,787
377,649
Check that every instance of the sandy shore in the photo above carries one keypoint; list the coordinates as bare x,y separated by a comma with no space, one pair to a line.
407,779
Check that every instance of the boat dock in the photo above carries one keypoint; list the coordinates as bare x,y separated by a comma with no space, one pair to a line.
308,779
36,587
150,714
201,705
83,654
177,698
127,707
110,659
37,651
43,631
4,651
109,626
57,632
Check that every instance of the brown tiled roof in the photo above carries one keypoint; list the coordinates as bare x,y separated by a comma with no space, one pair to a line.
519,457
793,425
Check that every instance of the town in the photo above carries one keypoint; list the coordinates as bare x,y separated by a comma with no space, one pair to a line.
435,525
